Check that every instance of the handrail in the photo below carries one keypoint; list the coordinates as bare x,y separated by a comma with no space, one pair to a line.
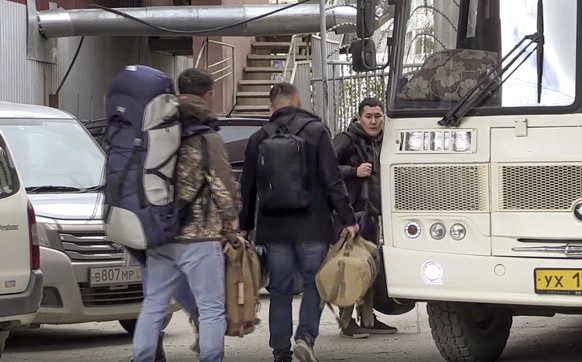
224,71
291,59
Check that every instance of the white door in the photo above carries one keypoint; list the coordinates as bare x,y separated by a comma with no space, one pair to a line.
14,228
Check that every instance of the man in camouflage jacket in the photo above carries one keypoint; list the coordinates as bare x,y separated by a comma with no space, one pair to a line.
210,201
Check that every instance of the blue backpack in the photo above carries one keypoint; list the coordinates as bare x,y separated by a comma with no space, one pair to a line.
143,139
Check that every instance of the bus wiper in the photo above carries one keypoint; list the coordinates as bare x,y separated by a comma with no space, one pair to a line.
540,47
493,79
36,189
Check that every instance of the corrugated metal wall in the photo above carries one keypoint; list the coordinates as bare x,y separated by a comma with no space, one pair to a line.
83,94
15,70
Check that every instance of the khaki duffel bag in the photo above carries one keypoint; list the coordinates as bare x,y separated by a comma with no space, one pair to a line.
348,271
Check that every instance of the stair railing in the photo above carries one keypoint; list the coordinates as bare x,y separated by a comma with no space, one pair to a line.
222,68
292,55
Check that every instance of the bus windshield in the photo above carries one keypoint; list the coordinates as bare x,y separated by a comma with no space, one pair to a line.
446,47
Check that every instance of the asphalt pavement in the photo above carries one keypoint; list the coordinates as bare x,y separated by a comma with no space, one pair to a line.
532,339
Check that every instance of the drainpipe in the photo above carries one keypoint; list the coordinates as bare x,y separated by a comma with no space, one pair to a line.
304,18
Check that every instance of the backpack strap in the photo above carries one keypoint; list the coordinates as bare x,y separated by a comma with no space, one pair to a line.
297,125
292,127
132,164
193,129
270,129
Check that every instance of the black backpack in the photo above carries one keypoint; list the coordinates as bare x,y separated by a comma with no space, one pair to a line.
283,181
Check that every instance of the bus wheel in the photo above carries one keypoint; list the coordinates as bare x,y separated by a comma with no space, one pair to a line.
469,332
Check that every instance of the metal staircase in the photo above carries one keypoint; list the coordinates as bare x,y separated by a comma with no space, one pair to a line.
267,64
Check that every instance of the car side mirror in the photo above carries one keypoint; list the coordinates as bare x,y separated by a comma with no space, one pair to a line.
363,55
365,18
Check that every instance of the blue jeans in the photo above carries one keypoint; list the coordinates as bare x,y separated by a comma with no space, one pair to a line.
182,294
283,261
203,265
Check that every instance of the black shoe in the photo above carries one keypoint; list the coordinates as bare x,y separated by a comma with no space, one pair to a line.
160,354
353,330
283,359
304,351
380,328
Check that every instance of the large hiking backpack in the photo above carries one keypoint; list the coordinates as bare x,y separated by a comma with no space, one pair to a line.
283,181
242,284
143,139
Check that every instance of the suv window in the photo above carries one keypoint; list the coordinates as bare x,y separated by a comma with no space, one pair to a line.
9,184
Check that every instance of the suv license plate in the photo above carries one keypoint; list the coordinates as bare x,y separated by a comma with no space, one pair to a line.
114,275
558,281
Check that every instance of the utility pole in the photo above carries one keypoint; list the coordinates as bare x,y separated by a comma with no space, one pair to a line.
323,34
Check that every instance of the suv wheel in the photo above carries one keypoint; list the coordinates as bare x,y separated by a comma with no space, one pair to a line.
3,338
129,324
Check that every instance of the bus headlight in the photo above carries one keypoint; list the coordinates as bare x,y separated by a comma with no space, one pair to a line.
458,141
458,232
437,231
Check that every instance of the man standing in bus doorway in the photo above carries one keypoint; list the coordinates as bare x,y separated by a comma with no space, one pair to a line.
358,152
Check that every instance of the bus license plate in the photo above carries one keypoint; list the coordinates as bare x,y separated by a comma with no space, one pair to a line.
115,275
558,281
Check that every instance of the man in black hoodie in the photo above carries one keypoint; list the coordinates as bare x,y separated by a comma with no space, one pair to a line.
358,152
295,240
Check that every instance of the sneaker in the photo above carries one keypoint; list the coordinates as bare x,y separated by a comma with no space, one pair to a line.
353,330
380,328
304,352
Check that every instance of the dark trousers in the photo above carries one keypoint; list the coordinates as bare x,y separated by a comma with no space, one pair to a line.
284,260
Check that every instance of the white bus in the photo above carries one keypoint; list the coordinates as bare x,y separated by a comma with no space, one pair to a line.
482,166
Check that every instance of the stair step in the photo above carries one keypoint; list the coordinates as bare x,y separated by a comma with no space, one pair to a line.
274,57
254,108
252,94
258,81
283,45
264,70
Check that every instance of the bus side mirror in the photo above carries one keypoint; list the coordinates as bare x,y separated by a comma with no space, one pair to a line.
365,18
363,55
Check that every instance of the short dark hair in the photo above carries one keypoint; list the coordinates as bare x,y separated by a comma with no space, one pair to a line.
195,81
282,89
369,102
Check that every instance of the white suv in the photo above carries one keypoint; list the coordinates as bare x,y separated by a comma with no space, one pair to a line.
21,280
61,167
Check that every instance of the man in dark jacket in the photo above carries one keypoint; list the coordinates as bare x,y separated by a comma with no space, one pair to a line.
358,152
296,240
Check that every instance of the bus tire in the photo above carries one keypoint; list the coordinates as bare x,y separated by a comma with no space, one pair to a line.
469,332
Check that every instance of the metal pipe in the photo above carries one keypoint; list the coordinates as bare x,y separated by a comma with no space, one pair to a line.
304,18
323,34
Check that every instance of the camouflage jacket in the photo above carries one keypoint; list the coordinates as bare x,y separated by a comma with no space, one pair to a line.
219,199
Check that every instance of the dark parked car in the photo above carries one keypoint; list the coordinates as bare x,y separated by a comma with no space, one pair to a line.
235,133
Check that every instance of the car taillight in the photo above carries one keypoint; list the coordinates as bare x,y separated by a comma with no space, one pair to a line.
33,238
